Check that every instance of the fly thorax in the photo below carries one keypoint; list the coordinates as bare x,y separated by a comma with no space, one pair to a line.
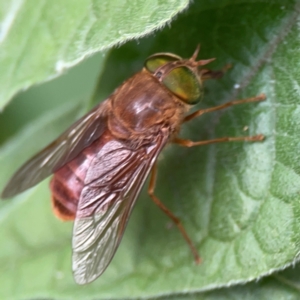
143,104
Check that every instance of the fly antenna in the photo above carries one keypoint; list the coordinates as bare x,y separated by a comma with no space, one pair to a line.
200,62
194,56
204,61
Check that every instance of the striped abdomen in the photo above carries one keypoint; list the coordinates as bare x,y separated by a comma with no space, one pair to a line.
68,182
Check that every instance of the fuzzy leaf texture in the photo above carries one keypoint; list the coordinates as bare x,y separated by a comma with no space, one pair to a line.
239,202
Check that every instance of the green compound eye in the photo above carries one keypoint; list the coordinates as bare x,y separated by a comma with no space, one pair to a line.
158,60
184,83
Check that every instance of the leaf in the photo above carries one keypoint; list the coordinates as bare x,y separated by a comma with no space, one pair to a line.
39,40
73,87
239,202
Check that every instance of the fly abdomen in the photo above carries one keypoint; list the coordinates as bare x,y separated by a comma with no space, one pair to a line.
67,184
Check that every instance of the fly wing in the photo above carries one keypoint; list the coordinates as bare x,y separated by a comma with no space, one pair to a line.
112,186
66,147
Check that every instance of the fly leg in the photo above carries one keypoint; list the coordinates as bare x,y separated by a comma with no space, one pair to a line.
211,74
189,143
200,112
170,214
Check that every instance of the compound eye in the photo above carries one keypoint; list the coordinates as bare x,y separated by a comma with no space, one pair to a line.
158,60
184,83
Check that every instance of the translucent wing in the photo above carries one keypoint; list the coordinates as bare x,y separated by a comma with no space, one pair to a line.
62,150
112,185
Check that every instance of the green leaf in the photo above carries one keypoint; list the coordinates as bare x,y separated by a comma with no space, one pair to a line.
39,40
239,202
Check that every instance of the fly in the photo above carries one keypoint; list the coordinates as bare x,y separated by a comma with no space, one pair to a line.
102,161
